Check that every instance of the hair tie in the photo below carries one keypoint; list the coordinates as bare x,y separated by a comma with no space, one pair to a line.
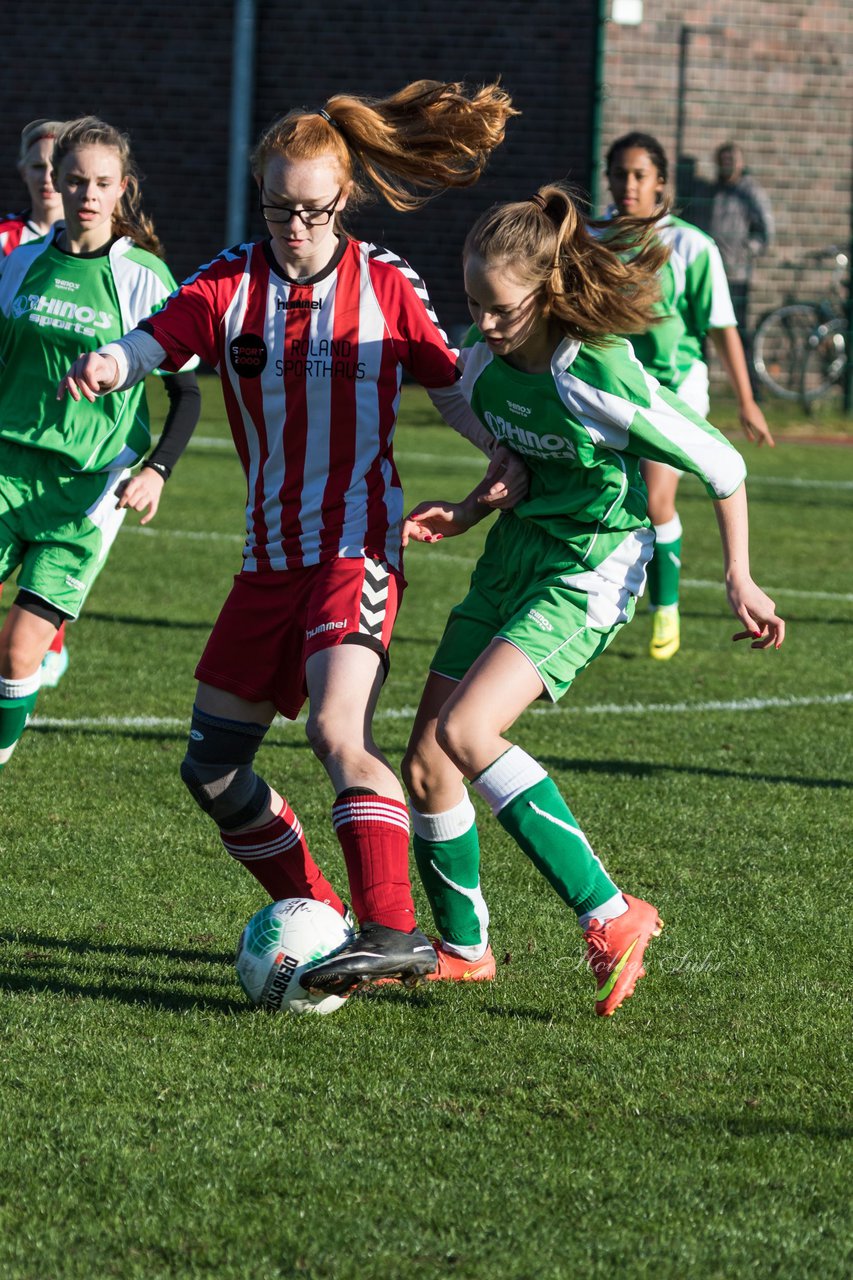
539,201
322,112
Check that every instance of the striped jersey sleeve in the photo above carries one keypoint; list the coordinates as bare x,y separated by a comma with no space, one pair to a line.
420,343
189,322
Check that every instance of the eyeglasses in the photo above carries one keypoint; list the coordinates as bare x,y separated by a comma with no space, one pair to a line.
308,217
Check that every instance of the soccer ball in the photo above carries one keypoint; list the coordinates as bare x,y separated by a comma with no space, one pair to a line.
279,943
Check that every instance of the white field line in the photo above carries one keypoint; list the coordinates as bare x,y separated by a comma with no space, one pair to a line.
408,713
475,460
442,557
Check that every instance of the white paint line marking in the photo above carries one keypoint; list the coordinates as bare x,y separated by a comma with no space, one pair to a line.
439,557
408,713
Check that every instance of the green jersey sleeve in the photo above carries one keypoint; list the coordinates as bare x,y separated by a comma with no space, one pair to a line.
624,408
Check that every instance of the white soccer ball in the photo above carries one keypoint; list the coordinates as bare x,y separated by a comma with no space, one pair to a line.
279,943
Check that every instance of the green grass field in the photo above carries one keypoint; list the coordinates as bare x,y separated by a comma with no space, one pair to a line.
154,1125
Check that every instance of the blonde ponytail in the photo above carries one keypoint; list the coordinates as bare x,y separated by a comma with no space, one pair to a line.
598,279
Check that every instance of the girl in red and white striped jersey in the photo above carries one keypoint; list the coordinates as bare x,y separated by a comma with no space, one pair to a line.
311,332
45,208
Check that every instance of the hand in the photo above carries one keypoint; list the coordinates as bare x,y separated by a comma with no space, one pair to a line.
509,479
757,612
432,521
754,425
91,374
142,492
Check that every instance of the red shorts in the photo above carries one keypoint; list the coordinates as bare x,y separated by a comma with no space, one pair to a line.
272,622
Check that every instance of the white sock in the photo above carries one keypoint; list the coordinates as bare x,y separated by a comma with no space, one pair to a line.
475,952
506,778
20,688
447,825
670,531
609,910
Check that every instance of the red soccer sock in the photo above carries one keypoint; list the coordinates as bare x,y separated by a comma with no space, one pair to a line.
278,857
58,640
374,835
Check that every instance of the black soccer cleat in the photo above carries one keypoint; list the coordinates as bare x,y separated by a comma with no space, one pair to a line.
376,952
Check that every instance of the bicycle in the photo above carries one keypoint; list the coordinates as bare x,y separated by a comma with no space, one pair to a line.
799,350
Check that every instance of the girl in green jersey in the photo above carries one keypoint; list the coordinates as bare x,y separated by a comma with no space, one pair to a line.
560,573
65,482
695,304
44,209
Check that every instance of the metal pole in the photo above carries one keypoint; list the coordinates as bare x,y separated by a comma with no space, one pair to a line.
681,109
242,99
848,371
598,96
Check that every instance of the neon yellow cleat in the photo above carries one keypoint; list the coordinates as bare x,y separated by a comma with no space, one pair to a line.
666,632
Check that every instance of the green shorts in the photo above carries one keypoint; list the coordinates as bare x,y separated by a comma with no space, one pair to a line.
530,590
56,525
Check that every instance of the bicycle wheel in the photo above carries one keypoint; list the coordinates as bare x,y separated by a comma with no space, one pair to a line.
780,346
825,361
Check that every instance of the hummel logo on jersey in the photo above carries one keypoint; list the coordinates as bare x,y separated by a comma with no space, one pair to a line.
529,442
298,304
541,621
326,626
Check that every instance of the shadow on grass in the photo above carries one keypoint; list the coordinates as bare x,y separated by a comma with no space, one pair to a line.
86,946
138,620
139,733
146,996
753,1125
37,968
645,769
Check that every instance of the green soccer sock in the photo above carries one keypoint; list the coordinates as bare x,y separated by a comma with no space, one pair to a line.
528,805
17,699
664,572
447,852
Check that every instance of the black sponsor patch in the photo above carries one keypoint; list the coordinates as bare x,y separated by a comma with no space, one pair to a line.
248,354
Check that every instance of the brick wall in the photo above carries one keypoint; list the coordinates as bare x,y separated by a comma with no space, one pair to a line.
160,71
776,77
164,73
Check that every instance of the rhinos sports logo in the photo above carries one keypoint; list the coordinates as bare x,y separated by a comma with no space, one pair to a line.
531,443
60,313
248,355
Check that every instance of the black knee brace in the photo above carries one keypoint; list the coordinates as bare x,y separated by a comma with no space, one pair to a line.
217,769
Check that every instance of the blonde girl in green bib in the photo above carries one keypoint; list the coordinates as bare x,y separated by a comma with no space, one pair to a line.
65,475
560,574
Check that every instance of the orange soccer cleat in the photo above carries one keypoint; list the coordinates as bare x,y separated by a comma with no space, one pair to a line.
453,968
615,953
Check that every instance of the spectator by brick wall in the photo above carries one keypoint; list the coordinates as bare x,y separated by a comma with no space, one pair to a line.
775,77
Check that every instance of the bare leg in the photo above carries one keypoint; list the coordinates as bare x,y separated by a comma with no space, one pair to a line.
24,640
